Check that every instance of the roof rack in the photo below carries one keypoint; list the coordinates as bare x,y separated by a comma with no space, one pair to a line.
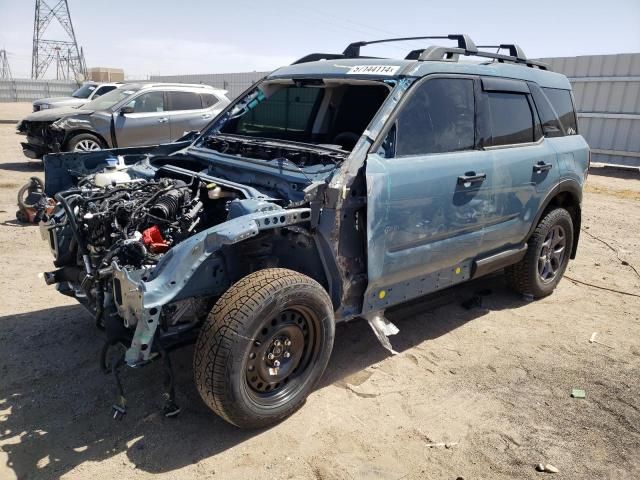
465,47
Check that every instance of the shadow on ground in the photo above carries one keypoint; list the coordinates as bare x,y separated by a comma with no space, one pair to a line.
51,383
25,166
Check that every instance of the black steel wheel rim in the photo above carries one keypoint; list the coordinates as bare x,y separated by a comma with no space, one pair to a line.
281,356
552,253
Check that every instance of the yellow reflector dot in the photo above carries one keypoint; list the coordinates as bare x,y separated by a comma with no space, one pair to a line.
458,270
382,294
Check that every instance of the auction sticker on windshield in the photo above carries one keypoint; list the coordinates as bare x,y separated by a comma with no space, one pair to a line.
373,70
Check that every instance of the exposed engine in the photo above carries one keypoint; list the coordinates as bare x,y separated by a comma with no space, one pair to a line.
131,225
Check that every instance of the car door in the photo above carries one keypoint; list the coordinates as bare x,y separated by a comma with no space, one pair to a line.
142,121
523,159
186,113
432,190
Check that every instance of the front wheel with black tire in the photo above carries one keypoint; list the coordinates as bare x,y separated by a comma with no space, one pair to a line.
263,347
548,253
84,142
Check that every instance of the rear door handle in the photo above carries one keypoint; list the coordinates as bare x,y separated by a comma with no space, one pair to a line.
471,177
542,167
163,120
206,115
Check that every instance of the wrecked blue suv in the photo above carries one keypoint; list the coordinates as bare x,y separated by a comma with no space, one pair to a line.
332,189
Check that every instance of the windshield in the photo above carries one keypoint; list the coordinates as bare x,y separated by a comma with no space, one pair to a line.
110,99
84,91
328,113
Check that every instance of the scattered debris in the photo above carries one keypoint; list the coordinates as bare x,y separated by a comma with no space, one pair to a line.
550,468
442,444
593,340
546,468
359,393
578,393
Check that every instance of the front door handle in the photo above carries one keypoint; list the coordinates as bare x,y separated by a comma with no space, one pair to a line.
163,120
471,177
206,115
542,167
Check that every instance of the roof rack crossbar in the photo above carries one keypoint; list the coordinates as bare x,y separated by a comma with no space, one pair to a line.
514,50
464,41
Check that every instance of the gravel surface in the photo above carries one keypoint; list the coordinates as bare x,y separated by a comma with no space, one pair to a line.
483,393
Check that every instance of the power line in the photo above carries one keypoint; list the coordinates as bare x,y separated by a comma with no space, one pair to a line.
5,69
68,57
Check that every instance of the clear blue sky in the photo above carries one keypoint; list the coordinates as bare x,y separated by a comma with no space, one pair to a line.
170,37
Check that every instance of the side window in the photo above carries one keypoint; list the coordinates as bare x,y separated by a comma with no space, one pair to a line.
551,126
563,105
148,102
438,117
208,100
511,118
103,90
184,101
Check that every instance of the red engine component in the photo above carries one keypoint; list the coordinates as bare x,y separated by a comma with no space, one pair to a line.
152,238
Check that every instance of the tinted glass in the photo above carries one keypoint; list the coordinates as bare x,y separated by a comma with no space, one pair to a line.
289,109
208,100
84,91
550,122
511,118
184,101
148,102
438,117
563,105
103,90
110,99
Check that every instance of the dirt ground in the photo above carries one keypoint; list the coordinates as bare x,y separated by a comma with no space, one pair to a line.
493,382
14,111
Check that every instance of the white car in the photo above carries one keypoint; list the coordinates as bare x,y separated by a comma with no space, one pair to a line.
87,92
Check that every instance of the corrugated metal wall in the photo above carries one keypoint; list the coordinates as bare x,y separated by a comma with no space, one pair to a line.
606,89
234,83
25,90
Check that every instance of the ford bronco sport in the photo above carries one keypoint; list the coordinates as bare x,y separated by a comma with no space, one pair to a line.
332,189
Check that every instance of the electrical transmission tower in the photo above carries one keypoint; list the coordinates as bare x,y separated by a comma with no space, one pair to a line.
5,70
69,58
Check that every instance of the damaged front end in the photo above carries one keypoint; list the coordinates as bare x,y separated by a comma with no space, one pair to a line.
42,138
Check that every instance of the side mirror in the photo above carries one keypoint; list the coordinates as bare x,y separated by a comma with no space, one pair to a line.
126,109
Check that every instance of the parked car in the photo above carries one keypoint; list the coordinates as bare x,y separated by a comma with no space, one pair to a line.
87,92
132,115
329,191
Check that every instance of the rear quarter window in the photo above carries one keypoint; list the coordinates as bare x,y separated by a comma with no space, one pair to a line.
208,100
563,105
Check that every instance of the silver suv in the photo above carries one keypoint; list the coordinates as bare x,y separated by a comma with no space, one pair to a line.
87,92
135,114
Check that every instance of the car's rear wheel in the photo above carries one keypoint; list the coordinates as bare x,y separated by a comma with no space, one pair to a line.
263,347
548,253
84,142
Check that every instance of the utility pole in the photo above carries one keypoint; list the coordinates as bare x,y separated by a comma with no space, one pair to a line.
5,70
64,52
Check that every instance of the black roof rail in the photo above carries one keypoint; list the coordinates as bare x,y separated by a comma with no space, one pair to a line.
516,55
465,47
